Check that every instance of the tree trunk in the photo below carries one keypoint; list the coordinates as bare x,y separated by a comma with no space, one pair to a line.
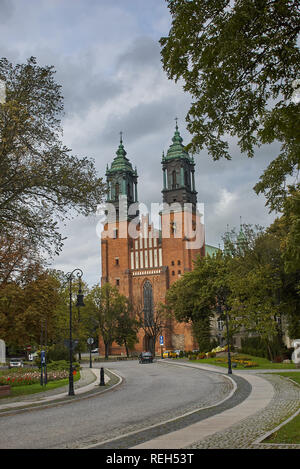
126,347
106,350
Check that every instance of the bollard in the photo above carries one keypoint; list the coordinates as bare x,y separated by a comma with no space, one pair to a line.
102,382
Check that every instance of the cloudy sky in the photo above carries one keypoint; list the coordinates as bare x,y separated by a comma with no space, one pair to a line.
107,58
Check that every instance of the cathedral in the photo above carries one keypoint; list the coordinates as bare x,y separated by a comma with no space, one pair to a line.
143,261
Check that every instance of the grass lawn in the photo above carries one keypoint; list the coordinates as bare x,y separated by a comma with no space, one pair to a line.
262,363
289,433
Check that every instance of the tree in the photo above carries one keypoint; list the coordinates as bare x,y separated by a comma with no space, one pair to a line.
127,328
239,60
19,262
264,294
106,305
40,181
23,308
152,323
193,297
290,245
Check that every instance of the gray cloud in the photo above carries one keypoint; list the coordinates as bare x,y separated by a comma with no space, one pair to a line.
107,59
6,11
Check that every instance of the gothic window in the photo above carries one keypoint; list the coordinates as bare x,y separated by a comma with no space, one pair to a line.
148,303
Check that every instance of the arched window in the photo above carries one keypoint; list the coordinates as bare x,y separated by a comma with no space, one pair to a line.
148,303
174,179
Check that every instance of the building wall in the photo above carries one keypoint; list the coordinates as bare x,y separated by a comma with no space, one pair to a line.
127,263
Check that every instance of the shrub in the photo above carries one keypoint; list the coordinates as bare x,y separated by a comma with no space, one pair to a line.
262,348
200,356
192,357
62,365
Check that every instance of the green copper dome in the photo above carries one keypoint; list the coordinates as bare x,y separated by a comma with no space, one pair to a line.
120,162
176,149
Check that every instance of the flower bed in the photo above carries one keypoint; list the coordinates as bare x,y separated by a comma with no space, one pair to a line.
28,377
245,362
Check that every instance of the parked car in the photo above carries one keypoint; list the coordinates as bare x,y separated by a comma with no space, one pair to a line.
95,350
146,357
16,363
169,354
177,352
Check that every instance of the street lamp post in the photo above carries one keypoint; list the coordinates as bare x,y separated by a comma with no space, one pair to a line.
80,302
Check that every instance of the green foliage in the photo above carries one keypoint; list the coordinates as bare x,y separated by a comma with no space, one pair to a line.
238,61
57,352
256,346
40,181
106,306
23,308
61,365
201,333
249,285
127,328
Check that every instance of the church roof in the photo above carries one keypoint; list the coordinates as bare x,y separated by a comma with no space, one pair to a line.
176,149
121,162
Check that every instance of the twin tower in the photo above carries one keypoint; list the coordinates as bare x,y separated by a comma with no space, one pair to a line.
143,261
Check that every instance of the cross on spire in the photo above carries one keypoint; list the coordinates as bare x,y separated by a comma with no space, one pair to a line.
121,135
176,120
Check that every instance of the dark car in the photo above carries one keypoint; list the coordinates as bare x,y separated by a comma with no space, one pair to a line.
146,357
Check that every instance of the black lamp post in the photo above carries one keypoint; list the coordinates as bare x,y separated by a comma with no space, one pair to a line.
221,314
79,303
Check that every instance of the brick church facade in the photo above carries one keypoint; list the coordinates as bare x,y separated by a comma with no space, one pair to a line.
144,261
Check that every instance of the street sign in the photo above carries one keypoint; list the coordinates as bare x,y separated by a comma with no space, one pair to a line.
161,340
90,341
43,357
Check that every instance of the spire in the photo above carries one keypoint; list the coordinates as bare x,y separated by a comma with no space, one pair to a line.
121,162
122,179
176,149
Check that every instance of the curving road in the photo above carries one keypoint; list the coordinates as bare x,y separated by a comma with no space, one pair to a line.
149,394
